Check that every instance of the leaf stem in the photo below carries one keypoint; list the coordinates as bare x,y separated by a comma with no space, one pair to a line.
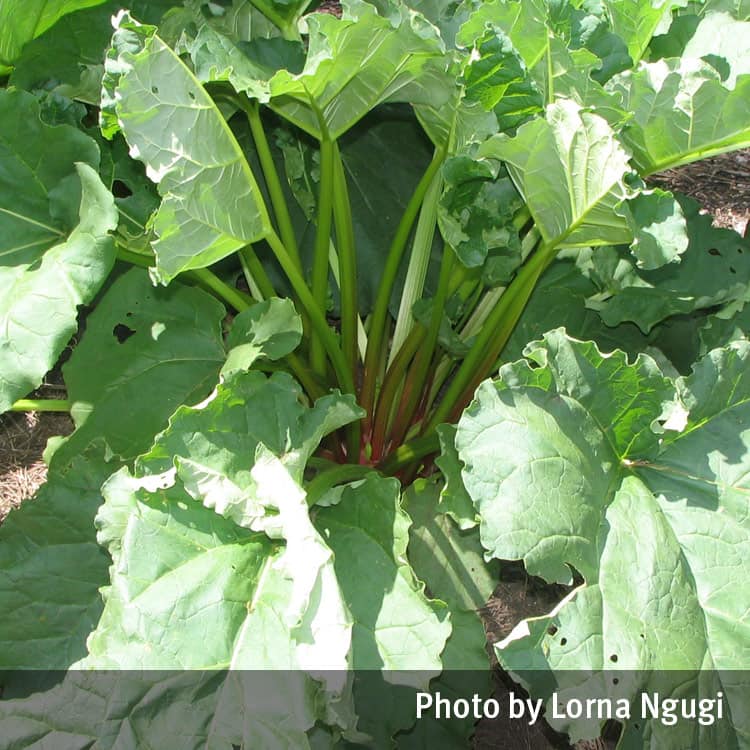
317,318
492,337
418,263
390,271
273,183
329,478
342,215
322,239
420,368
409,453
41,404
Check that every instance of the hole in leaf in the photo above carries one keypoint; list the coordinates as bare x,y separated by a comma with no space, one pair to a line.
122,333
714,251
616,681
739,250
154,89
563,641
642,636
121,190
191,95
732,269
128,314
613,658
552,630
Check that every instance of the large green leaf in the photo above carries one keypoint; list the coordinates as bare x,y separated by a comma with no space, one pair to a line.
55,251
398,634
569,168
211,445
211,205
682,111
51,570
386,53
568,471
145,351
20,22
68,58
712,271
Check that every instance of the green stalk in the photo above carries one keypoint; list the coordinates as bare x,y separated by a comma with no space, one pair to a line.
320,255
419,371
392,383
222,290
342,215
316,315
333,259
331,477
255,273
418,262
492,337
393,259
273,183
41,404
409,453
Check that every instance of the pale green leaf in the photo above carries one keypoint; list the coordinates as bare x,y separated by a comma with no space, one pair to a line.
145,351
682,112
270,329
22,22
55,250
566,465
569,168
51,569
211,205
387,54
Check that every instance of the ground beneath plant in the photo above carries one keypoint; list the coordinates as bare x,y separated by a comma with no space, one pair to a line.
721,185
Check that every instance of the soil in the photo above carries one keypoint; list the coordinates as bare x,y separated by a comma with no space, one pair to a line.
721,185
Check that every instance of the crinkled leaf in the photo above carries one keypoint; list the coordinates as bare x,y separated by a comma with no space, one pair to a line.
451,563
476,213
51,569
712,271
569,168
212,445
55,251
682,112
211,205
248,66
496,77
387,54
448,559
395,626
454,499
568,473
270,329
637,22
22,22
145,351
39,310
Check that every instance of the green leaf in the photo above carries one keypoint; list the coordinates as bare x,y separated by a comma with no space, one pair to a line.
637,22
476,211
145,351
711,272
211,445
211,205
388,55
395,626
55,251
451,563
454,500
682,112
569,168
564,461
22,22
68,58
51,570
271,329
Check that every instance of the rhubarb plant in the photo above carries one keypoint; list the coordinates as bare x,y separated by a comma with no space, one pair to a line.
352,307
